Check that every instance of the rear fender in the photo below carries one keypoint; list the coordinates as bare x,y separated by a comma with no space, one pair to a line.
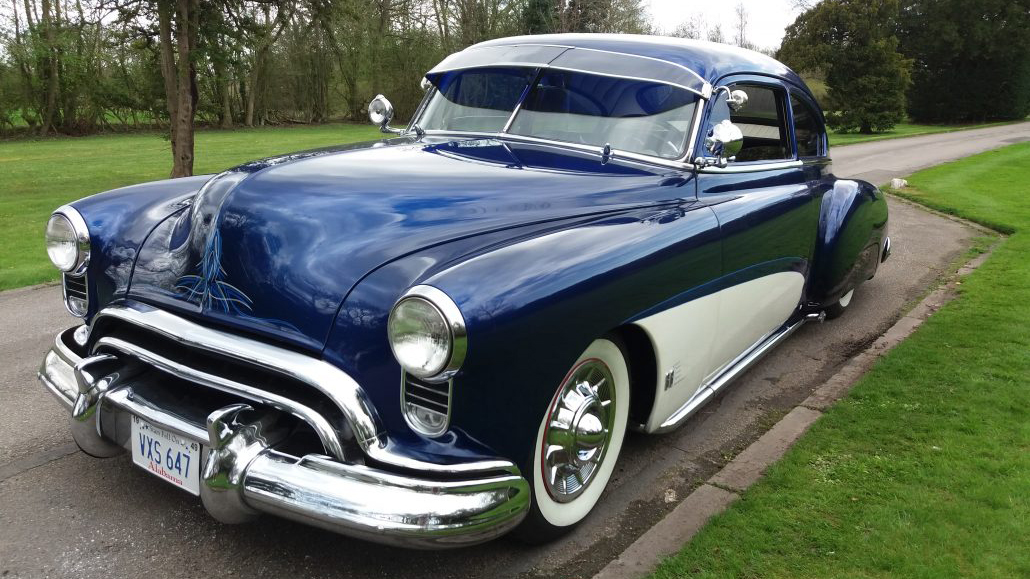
852,225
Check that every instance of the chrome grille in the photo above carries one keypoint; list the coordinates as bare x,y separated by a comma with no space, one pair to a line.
76,294
427,405
215,374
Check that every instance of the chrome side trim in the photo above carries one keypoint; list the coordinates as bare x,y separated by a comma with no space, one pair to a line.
330,440
734,369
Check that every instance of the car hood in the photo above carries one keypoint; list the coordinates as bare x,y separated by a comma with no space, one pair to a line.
275,246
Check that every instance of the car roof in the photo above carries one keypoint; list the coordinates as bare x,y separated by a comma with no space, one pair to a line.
710,60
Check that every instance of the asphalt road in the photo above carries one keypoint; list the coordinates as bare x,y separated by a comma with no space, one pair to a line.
63,514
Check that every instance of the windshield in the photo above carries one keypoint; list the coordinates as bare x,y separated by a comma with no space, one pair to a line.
479,100
630,115
638,116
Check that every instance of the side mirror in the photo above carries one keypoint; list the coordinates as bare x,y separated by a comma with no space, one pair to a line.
723,143
737,99
380,112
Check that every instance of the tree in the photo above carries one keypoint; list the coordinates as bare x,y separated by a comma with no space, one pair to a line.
854,43
694,28
971,59
178,24
539,17
741,26
715,34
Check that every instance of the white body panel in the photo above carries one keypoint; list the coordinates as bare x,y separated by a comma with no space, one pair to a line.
696,340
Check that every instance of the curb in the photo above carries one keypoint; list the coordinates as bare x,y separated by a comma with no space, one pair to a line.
716,494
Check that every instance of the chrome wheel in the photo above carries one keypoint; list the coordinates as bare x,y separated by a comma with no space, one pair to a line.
579,430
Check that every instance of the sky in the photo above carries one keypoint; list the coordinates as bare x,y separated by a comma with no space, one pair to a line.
766,18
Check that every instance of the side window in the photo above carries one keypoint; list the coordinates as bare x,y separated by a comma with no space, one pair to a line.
806,128
763,120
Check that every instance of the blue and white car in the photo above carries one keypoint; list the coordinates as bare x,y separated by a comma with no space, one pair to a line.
436,338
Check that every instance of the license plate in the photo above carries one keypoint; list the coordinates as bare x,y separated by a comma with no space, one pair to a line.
166,455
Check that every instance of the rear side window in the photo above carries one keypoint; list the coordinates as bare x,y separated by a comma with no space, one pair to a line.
807,129
763,120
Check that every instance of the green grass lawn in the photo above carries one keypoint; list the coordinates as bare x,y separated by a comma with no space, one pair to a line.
37,176
923,470
902,130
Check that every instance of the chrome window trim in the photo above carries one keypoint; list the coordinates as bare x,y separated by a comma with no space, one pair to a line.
81,235
420,109
680,163
455,324
749,168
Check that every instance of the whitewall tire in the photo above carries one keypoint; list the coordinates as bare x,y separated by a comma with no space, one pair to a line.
578,441
837,309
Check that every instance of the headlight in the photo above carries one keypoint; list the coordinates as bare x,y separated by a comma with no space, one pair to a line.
427,334
67,241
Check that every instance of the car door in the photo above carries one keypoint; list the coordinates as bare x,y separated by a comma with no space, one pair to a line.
767,212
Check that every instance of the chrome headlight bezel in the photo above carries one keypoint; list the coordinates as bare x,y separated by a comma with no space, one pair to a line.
457,333
77,265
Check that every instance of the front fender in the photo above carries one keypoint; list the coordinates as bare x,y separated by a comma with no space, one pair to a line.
119,221
531,306
852,225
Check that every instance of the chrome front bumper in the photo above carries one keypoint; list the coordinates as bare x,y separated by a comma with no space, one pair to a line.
243,475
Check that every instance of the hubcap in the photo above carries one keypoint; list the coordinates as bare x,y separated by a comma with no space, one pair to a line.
579,428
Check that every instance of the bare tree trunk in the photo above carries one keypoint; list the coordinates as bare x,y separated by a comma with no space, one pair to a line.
182,148
248,119
180,77
222,83
53,79
164,18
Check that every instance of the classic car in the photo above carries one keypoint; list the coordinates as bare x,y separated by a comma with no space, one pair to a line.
435,338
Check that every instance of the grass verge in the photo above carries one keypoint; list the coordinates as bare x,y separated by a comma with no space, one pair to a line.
904,130
923,470
37,176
